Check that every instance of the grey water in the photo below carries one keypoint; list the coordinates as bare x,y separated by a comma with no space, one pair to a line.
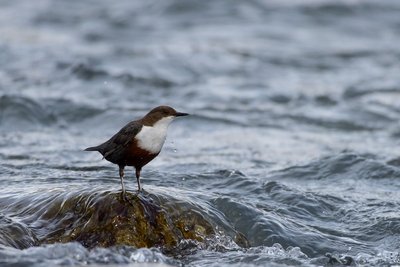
293,139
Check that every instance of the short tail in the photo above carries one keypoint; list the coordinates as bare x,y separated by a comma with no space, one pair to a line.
93,148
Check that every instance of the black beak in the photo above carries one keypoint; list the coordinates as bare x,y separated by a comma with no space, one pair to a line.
180,114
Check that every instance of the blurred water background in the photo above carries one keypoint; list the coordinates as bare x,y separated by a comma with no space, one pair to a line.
290,157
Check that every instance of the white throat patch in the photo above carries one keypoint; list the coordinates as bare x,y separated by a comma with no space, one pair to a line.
152,138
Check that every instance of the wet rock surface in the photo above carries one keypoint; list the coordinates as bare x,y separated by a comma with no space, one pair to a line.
104,219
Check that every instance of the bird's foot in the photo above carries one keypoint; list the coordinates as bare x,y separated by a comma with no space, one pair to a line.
140,189
124,197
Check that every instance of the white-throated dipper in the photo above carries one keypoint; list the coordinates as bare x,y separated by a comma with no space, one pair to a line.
138,142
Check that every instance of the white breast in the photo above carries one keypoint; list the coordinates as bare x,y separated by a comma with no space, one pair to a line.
152,138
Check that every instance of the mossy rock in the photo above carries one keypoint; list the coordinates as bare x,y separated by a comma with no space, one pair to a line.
102,218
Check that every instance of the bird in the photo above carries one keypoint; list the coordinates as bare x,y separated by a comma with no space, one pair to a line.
138,142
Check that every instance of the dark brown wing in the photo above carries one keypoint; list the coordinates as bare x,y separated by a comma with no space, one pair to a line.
113,150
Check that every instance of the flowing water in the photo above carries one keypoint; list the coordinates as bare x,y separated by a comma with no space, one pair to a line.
290,157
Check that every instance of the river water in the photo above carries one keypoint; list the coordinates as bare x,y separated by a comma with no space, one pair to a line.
290,156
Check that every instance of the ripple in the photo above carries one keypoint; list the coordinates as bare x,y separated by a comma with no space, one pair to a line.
224,181
18,112
371,87
88,72
16,234
342,166
275,255
76,254
331,123
21,112
379,258
71,112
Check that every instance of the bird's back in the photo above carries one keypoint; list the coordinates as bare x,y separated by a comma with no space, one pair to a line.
115,149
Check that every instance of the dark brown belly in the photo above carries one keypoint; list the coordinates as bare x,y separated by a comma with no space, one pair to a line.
137,157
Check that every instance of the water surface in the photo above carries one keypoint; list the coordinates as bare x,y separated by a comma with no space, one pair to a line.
289,158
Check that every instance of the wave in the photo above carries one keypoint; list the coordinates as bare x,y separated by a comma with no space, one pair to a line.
75,254
87,72
342,166
16,234
362,89
19,112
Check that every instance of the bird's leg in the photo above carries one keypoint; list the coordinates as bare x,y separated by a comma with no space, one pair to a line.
138,178
121,176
